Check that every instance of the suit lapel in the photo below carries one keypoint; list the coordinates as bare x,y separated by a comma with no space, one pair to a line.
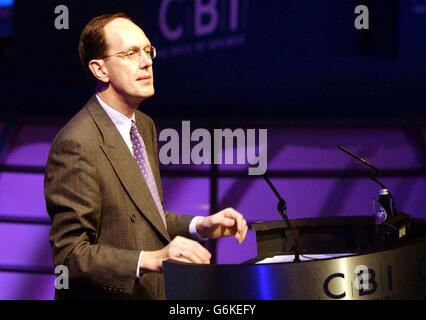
125,166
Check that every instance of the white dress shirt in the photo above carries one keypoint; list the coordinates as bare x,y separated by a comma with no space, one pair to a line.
124,125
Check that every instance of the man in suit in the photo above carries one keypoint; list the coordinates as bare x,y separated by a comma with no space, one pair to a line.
102,182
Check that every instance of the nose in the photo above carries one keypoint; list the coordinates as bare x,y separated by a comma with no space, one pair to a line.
145,60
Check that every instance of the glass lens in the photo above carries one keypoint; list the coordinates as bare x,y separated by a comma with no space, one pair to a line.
150,51
133,54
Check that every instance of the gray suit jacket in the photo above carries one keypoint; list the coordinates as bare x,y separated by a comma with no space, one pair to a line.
101,209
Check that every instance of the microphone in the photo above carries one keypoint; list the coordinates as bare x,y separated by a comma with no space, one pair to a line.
395,226
364,161
388,204
282,209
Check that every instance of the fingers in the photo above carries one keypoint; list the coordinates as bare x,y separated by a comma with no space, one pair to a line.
238,217
241,223
229,217
222,219
189,256
182,257
242,236
229,222
183,249
225,223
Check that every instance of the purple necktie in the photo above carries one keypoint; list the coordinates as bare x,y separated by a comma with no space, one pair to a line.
139,152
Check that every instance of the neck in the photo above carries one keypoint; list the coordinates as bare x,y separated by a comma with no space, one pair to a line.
118,103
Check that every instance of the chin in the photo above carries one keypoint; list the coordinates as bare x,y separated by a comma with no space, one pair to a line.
147,93
143,95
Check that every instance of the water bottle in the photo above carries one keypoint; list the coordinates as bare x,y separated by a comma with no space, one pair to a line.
384,207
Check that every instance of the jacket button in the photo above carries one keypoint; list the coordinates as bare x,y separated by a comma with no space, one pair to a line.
93,236
133,218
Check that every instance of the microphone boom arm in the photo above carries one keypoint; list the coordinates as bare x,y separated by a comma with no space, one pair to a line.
282,209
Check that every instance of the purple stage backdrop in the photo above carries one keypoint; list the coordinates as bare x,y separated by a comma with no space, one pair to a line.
299,151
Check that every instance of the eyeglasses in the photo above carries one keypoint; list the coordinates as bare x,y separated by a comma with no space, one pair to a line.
135,53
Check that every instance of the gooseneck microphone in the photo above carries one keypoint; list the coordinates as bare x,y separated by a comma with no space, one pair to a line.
357,157
282,209
388,205
392,227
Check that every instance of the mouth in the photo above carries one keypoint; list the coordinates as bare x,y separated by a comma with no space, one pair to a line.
144,78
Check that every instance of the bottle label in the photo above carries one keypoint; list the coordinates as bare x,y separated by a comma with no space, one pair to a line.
380,214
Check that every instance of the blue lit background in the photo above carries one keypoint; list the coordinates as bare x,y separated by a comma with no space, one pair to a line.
298,60
6,18
6,3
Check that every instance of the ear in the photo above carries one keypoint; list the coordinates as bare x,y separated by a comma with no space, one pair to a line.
99,70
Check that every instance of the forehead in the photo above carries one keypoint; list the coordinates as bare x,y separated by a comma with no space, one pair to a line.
122,33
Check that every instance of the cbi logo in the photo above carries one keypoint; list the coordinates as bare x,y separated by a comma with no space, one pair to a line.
363,282
180,19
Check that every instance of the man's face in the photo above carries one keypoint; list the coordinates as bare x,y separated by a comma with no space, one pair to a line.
131,80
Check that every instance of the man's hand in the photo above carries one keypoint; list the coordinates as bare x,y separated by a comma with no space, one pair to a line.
227,222
180,249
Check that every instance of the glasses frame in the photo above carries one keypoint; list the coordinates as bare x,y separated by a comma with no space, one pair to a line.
124,52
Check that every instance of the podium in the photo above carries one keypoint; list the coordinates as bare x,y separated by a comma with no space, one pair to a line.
360,272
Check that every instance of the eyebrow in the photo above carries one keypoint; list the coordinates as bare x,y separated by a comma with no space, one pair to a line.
136,46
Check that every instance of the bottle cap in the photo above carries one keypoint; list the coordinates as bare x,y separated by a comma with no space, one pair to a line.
384,192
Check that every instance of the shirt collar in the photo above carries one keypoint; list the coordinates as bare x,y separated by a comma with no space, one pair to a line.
120,120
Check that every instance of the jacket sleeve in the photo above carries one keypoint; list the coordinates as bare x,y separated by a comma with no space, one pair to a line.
73,201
